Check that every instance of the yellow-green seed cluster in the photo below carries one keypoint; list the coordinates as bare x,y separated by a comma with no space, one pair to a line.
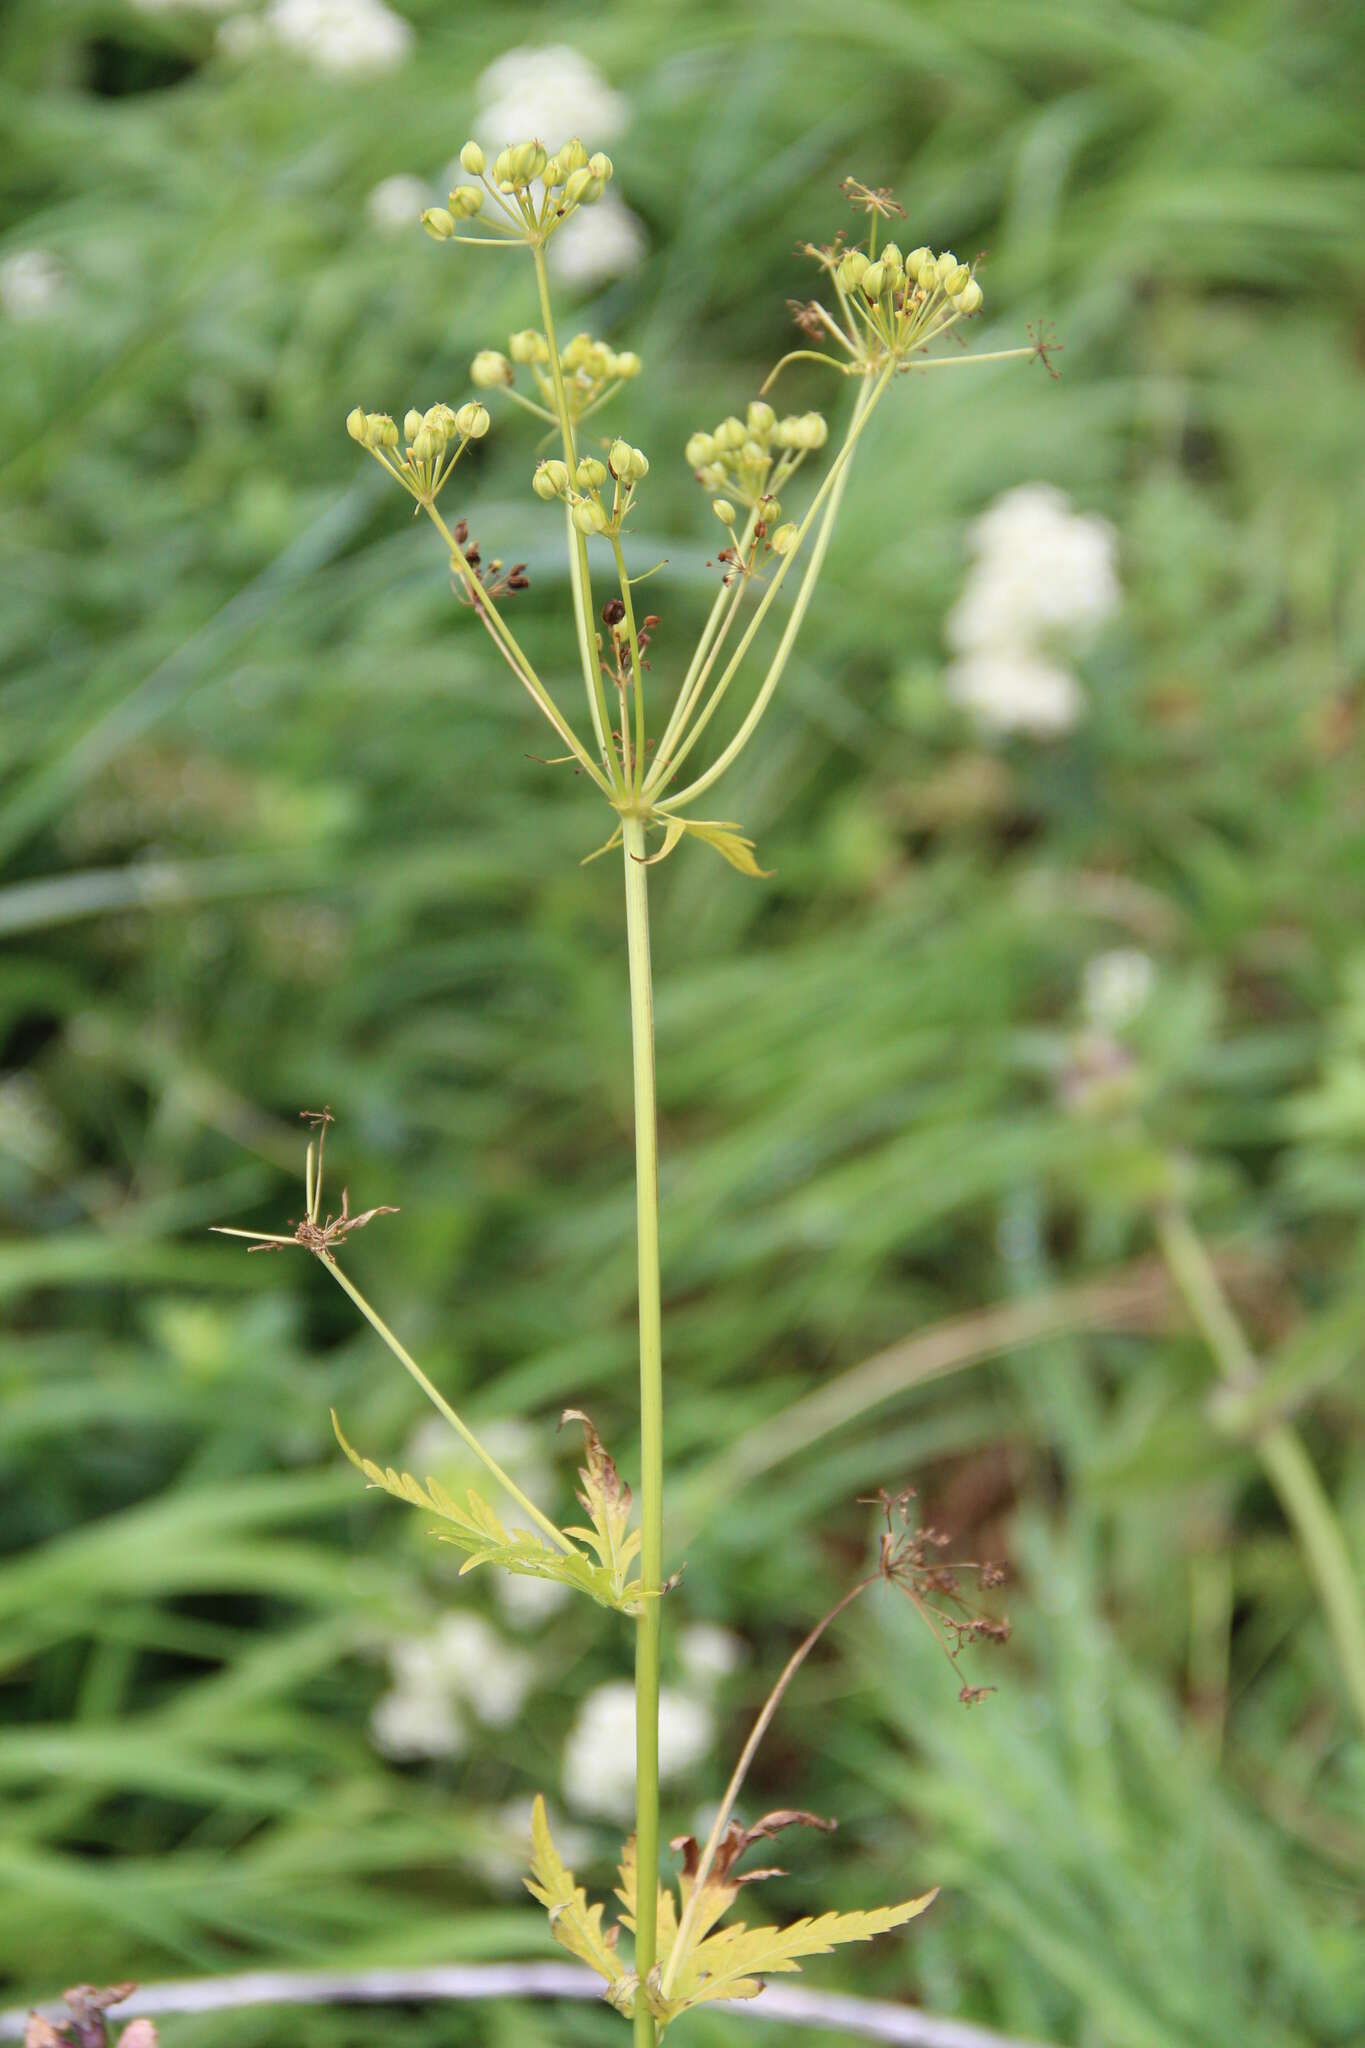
582,490
591,370
753,457
904,296
434,442
532,192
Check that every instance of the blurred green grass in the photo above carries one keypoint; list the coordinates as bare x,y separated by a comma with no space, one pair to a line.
273,837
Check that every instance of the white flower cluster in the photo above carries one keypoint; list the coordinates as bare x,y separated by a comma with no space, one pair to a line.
32,285
344,37
1043,578
599,1755
462,1666
1115,987
551,92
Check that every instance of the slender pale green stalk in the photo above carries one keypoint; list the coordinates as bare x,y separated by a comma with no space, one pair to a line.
508,644
438,1399
1288,1466
580,582
718,623
825,506
647,1629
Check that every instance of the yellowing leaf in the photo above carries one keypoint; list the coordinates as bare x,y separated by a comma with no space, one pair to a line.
606,1497
733,1962
673,832
575,1924
729,842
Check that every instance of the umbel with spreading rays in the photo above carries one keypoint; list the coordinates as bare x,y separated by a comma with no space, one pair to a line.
877,314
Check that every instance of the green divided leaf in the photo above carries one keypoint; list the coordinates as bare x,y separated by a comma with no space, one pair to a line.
733,1962
575,1924
476,1529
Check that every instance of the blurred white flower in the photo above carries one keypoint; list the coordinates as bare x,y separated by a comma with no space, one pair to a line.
461,1663
340,36
600,241
32,284
465,1659
407,1724
1012,689
1115,986
396,204
548,93
1042,572
599,1755
709,1653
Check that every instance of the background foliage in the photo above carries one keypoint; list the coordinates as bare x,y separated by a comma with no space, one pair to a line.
273,838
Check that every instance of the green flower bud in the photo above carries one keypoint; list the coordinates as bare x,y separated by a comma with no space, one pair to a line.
528,161
380,431
466,201
784,540
490,368
629,465
713,476
811,431
551,480
473,421
917,259
527,346
589,517
700,450
724,511
852,269
753,455
874,280
573,156
731,433
892,258
946,264
956,280
553,175
473,159
969,298
502,170
356,425
576,185
627,364
761,417
927,276
412,424
601,167
590,474
439,224
426,445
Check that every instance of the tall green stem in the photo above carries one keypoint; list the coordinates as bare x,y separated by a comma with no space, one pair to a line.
1288,1466
651,1417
